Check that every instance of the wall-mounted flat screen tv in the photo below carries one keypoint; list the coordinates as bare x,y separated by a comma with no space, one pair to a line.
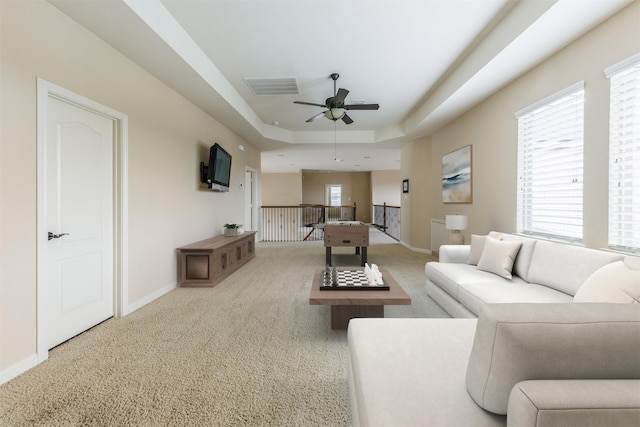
219,168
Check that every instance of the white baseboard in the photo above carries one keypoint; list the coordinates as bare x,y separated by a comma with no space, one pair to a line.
147,299
18,368
420,250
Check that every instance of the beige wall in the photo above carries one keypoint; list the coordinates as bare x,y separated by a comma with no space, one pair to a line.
416,160
386,187
491,128
168,137
285,189
356,187
282,189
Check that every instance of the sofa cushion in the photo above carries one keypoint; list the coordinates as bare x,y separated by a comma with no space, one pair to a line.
565,267
477,245
449,275
498,256
451,305
614,282
632,261
523,259
410,372
474,294
519,342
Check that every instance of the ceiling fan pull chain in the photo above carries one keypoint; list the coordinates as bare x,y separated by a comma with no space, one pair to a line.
335,140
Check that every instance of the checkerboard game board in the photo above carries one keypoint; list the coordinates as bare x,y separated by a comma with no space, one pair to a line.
351,280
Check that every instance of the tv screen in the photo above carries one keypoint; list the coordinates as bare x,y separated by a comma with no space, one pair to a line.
219,170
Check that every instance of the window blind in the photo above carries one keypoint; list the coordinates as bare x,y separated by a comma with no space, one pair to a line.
550,166
624,155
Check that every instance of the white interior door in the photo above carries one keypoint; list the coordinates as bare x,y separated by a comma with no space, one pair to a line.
78,264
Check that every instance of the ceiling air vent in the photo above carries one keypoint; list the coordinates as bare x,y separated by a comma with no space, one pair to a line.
273,85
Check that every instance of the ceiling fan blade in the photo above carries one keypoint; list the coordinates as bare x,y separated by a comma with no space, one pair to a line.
309,103
347,119
341,95
315,117
362,107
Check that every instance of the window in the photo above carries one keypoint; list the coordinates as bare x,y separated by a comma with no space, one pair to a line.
624,155
334,194
550,166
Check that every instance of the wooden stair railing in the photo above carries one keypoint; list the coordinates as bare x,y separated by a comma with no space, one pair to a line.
298,223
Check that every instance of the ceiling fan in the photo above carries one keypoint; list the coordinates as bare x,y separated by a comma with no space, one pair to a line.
335,106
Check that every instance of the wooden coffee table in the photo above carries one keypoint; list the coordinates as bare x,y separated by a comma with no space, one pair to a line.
347,304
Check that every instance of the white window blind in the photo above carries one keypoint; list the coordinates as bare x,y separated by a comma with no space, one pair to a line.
550,166
624,155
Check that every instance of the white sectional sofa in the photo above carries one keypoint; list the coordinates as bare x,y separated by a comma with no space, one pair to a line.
542,365
542,272
556,342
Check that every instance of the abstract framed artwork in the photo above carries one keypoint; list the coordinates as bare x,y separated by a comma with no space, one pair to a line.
456,176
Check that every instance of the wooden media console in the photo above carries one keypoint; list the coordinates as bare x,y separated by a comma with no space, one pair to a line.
208,262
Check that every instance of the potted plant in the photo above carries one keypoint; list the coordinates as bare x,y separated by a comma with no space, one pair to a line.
231,229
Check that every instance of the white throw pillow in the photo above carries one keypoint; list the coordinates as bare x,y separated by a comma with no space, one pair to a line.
498,256
477,245
614,282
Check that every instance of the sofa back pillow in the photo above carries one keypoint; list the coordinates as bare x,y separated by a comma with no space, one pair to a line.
523,260
614,282
477,246
632,261
518,342
565,267
498,256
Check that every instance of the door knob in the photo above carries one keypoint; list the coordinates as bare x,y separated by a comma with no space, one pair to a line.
56,236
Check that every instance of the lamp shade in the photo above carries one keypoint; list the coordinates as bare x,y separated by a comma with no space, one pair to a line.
456,222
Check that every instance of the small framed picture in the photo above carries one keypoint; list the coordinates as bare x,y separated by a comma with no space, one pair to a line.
405,185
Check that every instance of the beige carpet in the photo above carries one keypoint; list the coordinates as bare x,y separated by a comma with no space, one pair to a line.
248,352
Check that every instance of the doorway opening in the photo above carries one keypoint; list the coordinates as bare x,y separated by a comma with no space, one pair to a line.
333,196
251,220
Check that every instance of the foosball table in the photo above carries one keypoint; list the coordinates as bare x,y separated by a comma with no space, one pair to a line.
346,233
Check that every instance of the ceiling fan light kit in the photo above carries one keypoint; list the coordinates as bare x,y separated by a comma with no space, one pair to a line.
335,106
334,113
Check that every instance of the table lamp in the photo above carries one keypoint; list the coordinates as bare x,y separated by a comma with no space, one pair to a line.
456,223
